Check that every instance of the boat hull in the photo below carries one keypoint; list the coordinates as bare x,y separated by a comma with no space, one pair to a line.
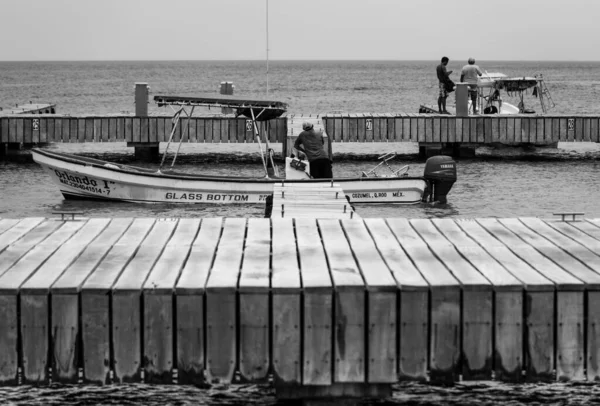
85,178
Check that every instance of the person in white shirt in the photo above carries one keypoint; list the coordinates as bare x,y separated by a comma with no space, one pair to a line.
470,74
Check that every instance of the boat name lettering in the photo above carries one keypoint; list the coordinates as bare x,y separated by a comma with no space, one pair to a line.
76,179
209,196
87,188
397,194
227,198
447,166
183,196
375,195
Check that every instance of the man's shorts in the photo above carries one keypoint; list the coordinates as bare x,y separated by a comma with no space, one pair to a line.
443,92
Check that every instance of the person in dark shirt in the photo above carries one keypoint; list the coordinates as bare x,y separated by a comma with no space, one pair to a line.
311,144
443,78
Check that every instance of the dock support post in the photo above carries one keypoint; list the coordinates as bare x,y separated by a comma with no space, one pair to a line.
144,151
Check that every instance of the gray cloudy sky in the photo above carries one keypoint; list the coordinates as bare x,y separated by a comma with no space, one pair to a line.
299,29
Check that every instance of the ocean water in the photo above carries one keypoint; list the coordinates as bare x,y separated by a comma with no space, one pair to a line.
487,186
307,86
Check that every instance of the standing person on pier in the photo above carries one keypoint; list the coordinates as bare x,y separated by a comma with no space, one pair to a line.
444,79
470,73
311,143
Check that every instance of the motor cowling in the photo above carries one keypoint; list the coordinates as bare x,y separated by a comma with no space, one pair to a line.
440,173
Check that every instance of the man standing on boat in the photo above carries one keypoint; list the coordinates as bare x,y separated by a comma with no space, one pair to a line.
470,74
444,78
311,143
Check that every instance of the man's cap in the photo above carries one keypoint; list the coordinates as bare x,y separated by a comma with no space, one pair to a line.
471,61
307,126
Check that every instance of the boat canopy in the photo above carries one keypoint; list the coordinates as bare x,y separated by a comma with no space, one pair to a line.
261,109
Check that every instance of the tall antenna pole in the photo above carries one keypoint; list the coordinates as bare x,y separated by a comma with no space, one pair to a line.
267,47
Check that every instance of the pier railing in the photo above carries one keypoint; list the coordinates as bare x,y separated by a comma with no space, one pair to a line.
391,127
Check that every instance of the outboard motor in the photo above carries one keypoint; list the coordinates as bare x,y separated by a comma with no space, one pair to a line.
440,174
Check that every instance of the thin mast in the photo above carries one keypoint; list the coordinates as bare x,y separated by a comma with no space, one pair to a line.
267,47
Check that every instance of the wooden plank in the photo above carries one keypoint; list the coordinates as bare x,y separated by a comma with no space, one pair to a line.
28,238
468,248
136,135
349,345
126,333
240,130
503,255
89,129
345,128
161,135
421,128
563,129
570,342
102,279
13,230
19,130
64,344
406,129
541,131
593,336
508,351
144,132
129,129
381,305
64,319
578,135
190,338
44,127
9,356
6,224
49,135
285,283
105,136
127,313
555,129
507,230
76,274
28,131
153,129
433,271
477,334
4,129
79,127
480,128
34,338
95,337
254,286
58,130
29,263
120,129
158,303
595,130
97,129
570,255
66,254
195,272
539,336
318,305
445,251
444,345
12,130
221,303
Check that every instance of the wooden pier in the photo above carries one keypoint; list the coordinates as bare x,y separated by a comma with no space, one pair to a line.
310,304
425,129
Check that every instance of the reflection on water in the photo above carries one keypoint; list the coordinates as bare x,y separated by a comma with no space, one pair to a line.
483,189
415,394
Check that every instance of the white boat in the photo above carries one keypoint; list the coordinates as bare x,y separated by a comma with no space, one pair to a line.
79,177
491,87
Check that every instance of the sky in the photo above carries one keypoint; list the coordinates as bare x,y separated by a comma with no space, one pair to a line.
512,30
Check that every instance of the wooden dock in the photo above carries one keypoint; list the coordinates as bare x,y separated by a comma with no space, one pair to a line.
305,302
311,201
367,127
